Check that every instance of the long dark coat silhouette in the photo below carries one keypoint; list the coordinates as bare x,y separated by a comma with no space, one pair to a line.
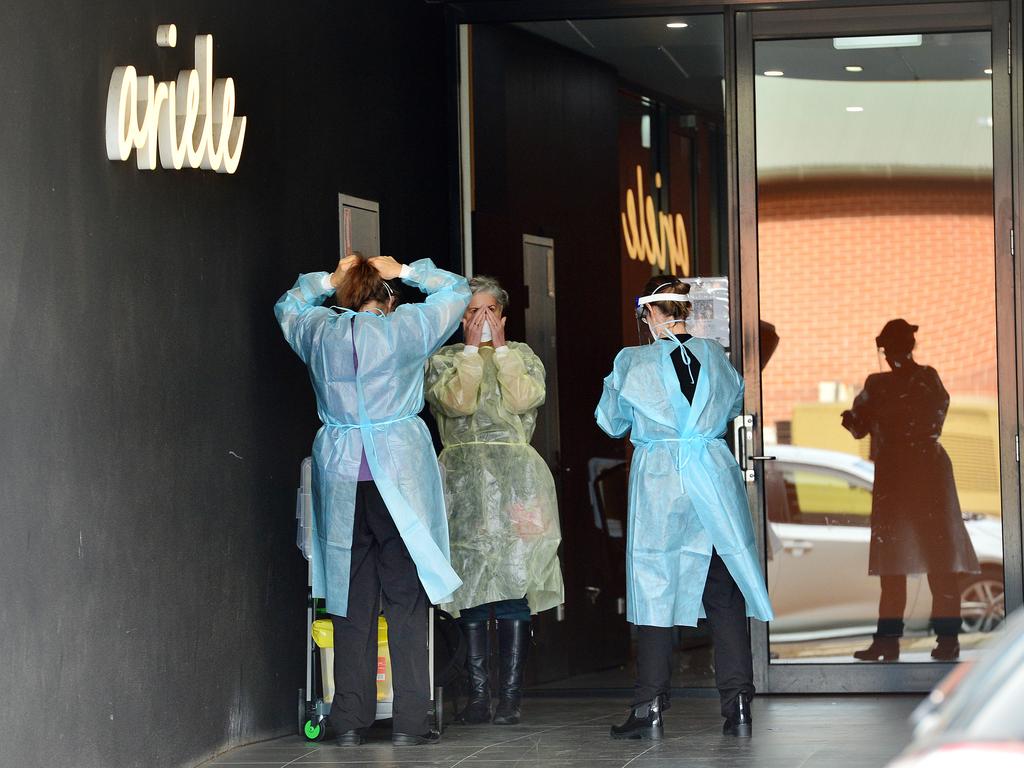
916,522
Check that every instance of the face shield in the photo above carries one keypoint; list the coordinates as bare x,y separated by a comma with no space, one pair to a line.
643,313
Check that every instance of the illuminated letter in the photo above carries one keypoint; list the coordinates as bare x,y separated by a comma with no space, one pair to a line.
121,117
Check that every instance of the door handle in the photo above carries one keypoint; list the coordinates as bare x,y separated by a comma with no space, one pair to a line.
761,458
742,436
798,548
737,428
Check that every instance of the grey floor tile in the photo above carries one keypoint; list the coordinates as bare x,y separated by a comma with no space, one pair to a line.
862,732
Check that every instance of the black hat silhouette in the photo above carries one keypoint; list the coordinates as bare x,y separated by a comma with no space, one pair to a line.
895,331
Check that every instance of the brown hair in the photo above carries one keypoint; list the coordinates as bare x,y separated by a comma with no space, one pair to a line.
361,284
668,284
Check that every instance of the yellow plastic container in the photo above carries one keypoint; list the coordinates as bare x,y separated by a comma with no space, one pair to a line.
323,636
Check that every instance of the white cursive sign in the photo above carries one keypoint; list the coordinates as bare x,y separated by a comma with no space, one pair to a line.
189,122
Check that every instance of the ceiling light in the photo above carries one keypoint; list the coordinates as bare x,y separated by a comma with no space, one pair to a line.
855,109
854,68
774,73
988,71
877,41
677,25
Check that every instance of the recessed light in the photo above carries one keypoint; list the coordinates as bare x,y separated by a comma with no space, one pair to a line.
988,71
677,25
855,109
854,68
774,73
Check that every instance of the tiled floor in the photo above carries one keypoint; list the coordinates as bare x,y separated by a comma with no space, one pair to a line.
789,732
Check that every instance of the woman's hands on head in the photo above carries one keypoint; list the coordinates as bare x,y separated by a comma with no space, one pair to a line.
386,267
343,266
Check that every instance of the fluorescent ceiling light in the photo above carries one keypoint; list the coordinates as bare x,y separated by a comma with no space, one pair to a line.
677,25
854,68
774,73
988,71
855,109
877,41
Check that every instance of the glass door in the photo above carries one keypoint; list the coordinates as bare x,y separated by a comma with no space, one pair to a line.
878,300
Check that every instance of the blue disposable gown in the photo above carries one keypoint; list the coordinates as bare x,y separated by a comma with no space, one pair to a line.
686,493
376,409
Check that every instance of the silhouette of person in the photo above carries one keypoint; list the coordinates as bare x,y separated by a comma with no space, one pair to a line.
916,523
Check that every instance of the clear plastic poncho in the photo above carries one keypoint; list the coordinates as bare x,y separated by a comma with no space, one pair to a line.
500,496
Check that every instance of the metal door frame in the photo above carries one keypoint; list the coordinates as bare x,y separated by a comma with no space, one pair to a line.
752,26
741,232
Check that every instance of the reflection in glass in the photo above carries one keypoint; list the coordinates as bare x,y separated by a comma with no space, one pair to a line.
916,523
875,201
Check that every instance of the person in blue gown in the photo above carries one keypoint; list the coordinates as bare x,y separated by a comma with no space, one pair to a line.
690,538
380,533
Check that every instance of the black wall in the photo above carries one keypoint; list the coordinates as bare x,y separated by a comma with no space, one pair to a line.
545,133
152,418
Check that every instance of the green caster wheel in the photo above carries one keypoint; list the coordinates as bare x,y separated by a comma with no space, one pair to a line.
314,731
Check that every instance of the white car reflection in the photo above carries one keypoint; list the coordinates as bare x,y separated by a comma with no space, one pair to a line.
818,507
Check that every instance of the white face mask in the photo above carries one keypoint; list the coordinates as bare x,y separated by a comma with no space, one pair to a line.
485,334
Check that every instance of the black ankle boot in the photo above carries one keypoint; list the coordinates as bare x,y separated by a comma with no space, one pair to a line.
478,708
645,721
740,722
947,648
513,648
885,643
881,649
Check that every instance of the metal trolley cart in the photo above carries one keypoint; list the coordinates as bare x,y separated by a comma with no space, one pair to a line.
315,698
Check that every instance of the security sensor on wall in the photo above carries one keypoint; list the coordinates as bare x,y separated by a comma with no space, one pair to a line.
167,36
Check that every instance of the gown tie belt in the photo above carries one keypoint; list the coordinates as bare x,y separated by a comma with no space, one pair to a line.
682,454
370,424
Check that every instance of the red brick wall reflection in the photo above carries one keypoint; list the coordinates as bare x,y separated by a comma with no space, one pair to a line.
839,257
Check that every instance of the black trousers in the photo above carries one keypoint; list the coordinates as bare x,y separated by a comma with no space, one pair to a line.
382,574
945,588
734,665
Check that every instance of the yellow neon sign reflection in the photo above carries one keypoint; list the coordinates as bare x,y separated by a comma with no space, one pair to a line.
656,237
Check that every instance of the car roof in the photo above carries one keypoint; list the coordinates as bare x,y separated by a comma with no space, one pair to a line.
820,457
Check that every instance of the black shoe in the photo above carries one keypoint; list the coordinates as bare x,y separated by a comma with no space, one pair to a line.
881,649
739,723
413,740
645,721
947,648
352,738
513,648
478,709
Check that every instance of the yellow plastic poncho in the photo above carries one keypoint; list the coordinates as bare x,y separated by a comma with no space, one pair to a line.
502,508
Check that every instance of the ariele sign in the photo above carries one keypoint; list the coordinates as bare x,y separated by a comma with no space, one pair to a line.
654,236
188,123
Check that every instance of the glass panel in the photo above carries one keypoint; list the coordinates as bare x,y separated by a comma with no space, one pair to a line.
606,136
876,265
